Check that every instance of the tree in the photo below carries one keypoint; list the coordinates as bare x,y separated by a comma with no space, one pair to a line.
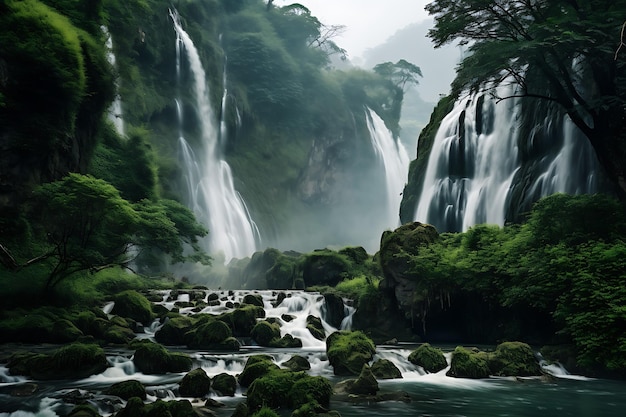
561,52
88,226
401,73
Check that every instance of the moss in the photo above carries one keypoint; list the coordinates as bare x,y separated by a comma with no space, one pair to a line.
297,363
256,366
253,299
429,358
265,412
195,383
225,384
127,389
287,341
468,363
243,319
514,359
208,334
310,389
131,304
385,369
153,358
264,333
348,351
173,330
118,335
84,410
325,267
315,327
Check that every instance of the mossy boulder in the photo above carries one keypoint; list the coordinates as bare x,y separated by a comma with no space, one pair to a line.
287,341
365,384
286,389
264,333
153,358
26,327
256,366
225,384
385,369
131,304
74,361
334,309
315,327
325,267
348,351
514,359
253,299
469,363
397,251
208,335
429,358
135,407
84,410
118,335
173,330
243,319
297,363
127,389
195,383
282,274
64,331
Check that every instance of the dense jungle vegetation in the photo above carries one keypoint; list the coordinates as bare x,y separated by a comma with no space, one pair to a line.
78,200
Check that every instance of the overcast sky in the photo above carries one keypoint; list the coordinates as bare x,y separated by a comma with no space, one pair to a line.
368,22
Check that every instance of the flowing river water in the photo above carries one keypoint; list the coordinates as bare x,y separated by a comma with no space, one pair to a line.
430,394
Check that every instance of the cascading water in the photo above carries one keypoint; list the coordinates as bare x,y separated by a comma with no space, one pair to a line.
475,164
212,195
395,160
115,111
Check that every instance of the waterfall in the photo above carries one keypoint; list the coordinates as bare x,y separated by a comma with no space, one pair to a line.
211,191
476,172
395,160
115,110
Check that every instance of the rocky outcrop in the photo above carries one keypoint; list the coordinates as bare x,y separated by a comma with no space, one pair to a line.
348,351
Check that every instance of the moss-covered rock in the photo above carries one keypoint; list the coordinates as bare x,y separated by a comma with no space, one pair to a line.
429,358
264,333
287,341
127,389
256,366
65,331
136,408
195,383
385,369
514,359
297,363
315,327
334,309
365,384
84,410
208,335
243,319
348,351
133,305
153,358
253,299
325,267
118,335
74,361
468,363
225,384
173,330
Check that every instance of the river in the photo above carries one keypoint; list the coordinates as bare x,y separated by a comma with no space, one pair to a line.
431,394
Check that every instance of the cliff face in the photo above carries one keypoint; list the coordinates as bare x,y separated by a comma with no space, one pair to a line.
292,129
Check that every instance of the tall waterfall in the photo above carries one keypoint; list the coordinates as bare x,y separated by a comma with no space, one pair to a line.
395,160
212,195
115,110
477,171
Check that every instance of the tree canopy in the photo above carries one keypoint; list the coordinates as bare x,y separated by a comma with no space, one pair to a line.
559,51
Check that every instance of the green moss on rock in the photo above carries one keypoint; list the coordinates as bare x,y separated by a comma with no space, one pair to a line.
514,359
264,333
256,366
153,358
127,389
348,351
468,363
429,358
195,383
225,384
131,304
315,327
385,369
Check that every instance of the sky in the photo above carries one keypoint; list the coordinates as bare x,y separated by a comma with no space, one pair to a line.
368,22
